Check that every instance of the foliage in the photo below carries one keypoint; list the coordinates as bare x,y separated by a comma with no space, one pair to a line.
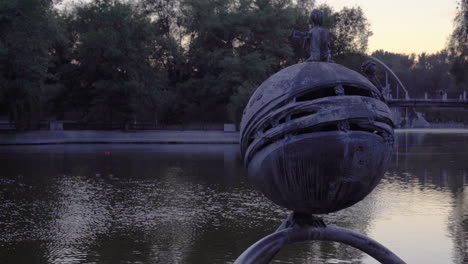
422,73
402,65
239,100
26,34
235,45
117,58
351,31
232,43
432,73
179,61
458,44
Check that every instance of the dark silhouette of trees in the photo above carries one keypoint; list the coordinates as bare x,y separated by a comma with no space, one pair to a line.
420,73
28,29
119,63
179,61
458,44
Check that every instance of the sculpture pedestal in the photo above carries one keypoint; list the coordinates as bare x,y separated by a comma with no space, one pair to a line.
265,249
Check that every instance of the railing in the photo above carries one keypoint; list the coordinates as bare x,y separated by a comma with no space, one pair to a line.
74,125
413,103
443,101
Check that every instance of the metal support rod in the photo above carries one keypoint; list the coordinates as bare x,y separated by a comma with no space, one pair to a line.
386,78
391,72
397,91
406,117
265,249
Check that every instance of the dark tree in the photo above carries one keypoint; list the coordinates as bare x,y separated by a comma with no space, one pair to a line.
152,60
119,63
232,45
27,32
351,31
458,44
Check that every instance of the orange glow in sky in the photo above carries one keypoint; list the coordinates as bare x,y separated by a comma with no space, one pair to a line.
401,26
405,26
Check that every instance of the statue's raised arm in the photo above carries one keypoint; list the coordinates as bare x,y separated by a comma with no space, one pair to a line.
300,34
319,38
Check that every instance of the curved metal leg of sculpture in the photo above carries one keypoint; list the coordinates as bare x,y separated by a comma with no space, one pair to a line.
265,249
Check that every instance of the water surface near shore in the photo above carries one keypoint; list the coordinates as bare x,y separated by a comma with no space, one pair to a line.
192,204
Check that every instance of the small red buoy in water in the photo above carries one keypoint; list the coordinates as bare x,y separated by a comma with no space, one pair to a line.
107,153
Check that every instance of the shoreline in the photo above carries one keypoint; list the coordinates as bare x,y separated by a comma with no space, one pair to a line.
45,137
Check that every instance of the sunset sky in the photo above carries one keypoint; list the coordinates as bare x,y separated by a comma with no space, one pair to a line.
405,26
401,26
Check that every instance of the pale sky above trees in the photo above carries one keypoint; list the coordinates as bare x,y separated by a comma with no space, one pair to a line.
401,26
406,26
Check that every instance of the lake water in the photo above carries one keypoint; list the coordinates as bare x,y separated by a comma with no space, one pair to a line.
192,204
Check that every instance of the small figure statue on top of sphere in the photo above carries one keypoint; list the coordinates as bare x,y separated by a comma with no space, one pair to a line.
318,37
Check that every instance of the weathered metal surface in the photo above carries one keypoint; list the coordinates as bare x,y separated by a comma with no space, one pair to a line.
265,249
361,112
320,172
369,69
283,87
316,137
428,103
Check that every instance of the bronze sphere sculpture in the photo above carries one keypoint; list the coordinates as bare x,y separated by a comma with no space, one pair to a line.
316,137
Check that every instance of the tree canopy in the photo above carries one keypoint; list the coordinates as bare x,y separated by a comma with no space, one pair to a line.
179,61
117,64
458,44
27,32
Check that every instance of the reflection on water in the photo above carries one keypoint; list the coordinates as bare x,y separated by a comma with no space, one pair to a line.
191,204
